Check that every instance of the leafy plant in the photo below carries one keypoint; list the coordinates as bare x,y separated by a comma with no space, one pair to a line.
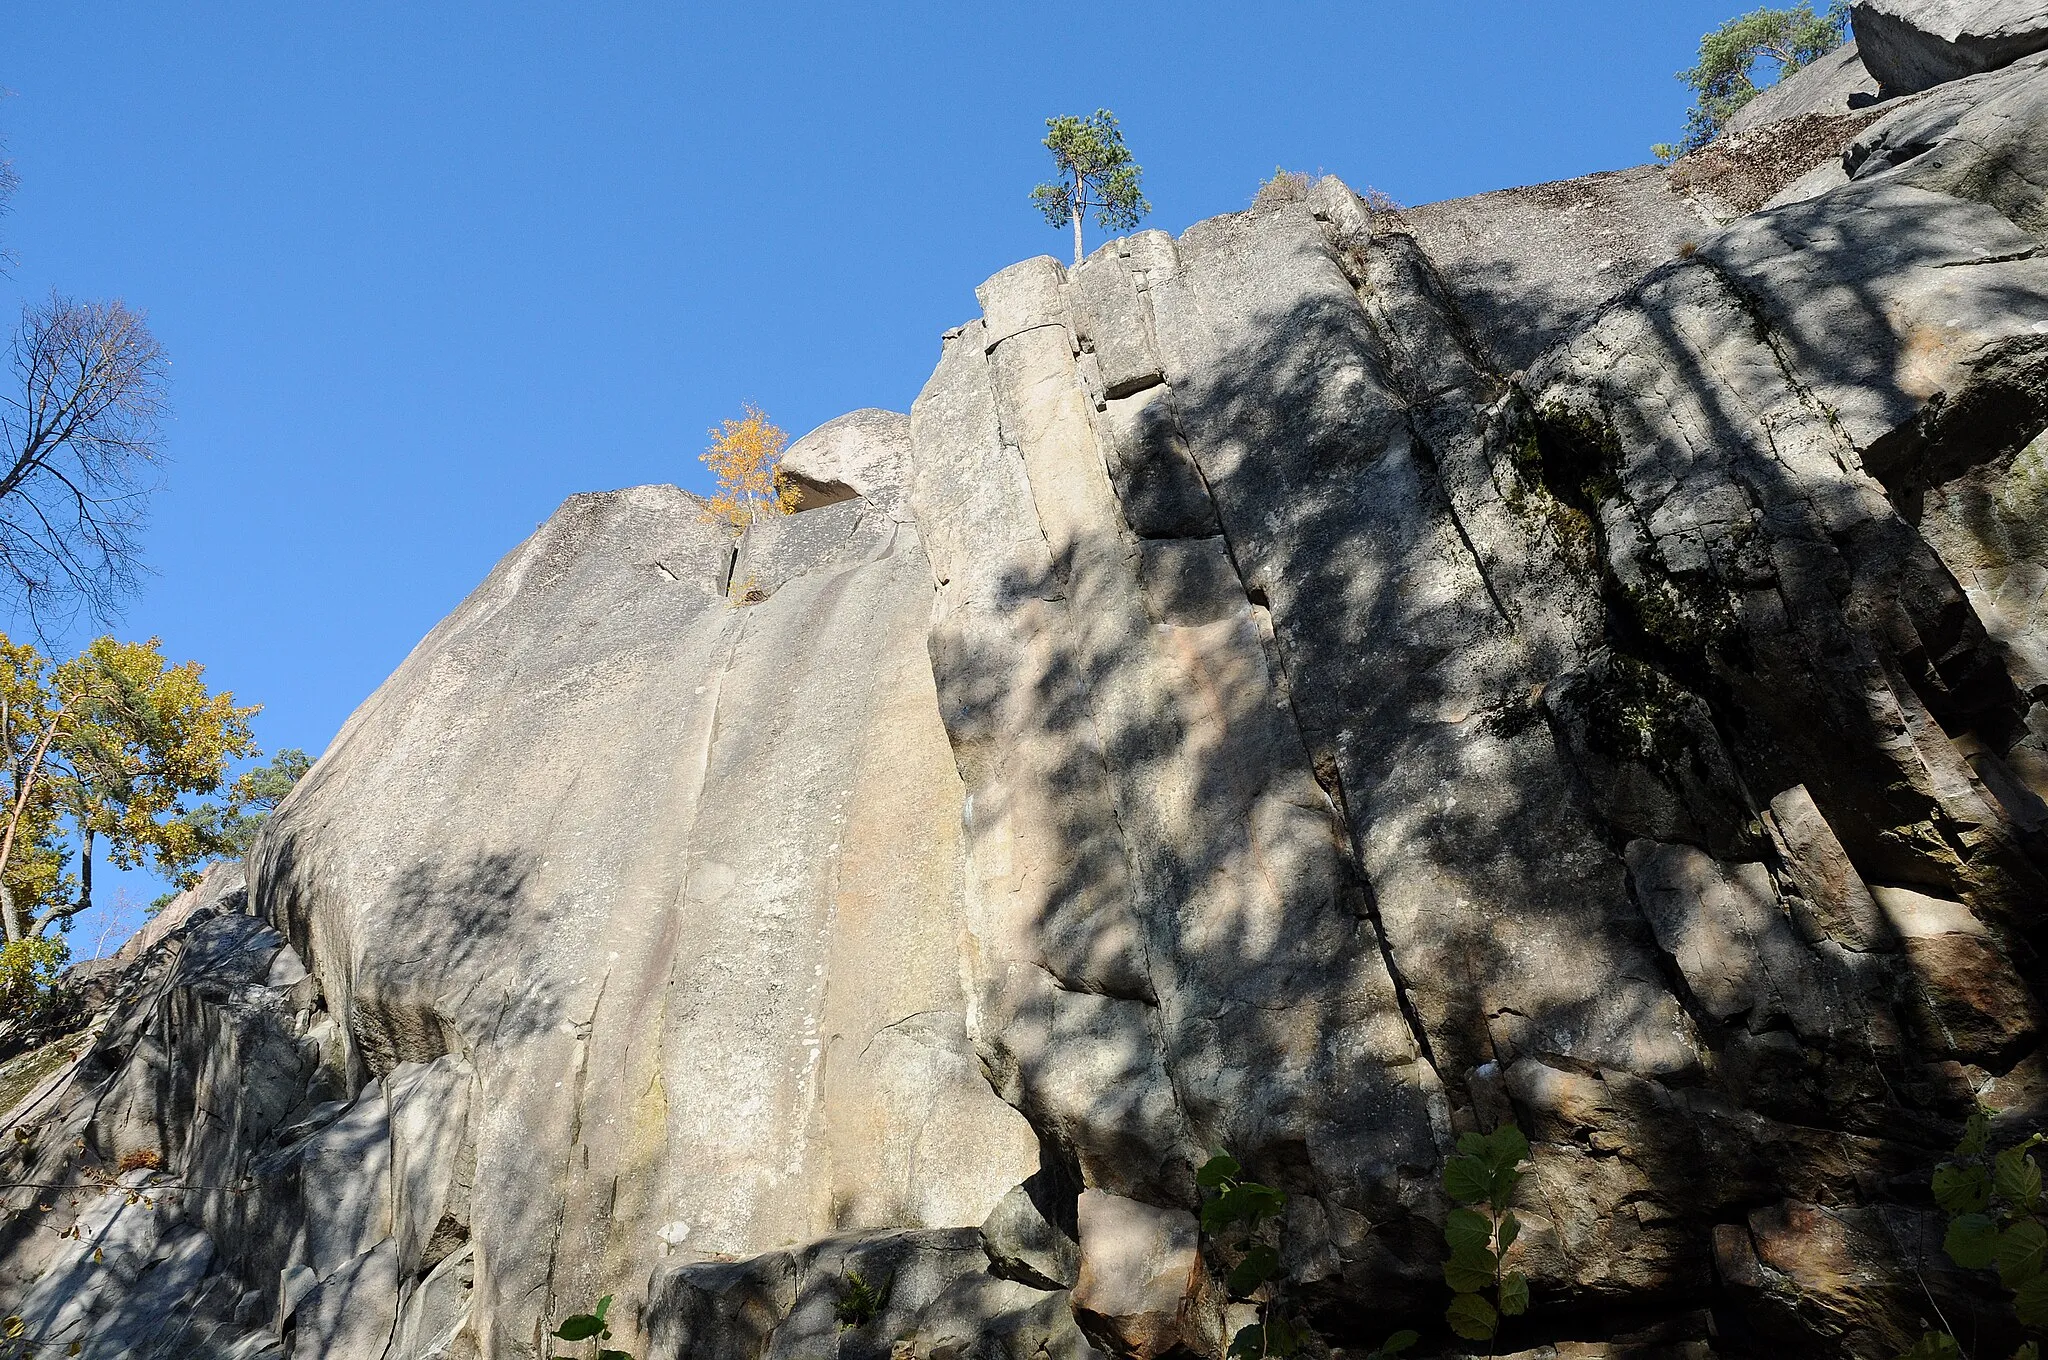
590,1327
1997,1220
1393,1345
115,740
1790,37
1236,1214
1286,186
860,1302
1482,1178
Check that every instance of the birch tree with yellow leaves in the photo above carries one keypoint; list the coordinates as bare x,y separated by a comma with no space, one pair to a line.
743,457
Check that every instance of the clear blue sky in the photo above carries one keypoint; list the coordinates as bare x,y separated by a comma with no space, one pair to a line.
426,269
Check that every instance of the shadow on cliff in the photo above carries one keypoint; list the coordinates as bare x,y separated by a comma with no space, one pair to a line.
1399,657
433,978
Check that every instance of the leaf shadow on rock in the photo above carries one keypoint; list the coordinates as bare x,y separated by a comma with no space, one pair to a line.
442,972
1337,520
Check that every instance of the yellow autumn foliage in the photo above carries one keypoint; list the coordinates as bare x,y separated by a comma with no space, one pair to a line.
143,734
743,457
115,741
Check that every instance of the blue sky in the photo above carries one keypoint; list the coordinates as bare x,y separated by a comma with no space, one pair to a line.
425,269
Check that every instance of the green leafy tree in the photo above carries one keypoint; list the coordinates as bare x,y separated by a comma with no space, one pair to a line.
1095,171
115,741
1723,81
1482,1178
1997,1221
231,827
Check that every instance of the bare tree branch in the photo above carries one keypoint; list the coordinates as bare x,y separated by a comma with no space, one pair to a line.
80,446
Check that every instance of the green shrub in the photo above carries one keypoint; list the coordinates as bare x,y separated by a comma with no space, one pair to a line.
1482,1178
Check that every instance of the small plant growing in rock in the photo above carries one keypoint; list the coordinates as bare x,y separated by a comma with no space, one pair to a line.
1286,186
590,1327
1997,1220
860,1302
1482,1178
743,456
1239,1210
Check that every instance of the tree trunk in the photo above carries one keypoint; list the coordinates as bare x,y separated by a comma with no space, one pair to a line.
7,911
1075,203
85,872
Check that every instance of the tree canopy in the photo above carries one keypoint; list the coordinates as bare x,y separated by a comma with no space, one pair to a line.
1095,170
743,456
116,742
1724,80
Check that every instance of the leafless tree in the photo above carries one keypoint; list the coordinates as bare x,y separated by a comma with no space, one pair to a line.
8,183
80,429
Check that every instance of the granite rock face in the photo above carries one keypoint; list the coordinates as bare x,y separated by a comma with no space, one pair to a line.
1312,687
1912,45
1832,84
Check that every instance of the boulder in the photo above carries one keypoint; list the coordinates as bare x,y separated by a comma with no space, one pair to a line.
1315,687
1913,45
863,453
1140,1275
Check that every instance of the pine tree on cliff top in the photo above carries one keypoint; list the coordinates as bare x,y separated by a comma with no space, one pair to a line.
1095,171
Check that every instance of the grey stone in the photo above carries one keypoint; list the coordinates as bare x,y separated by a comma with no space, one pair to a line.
351,1312
790,916
1970,999
1527,265
1735,944
1140,1275
1024,1242
1113,320
1980,139
1832,83
936,1300
1910,45
1837,904
1343,679
1158,486
863,453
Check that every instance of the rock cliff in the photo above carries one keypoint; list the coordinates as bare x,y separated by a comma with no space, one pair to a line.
1311,687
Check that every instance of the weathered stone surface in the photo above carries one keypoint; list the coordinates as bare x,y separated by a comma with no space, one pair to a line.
863,453
1030,1237
1734,941
1140,1275
752,876
1339,679
1834,84
935,1300
1527,265
1832,902
1911,45
1971,1001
